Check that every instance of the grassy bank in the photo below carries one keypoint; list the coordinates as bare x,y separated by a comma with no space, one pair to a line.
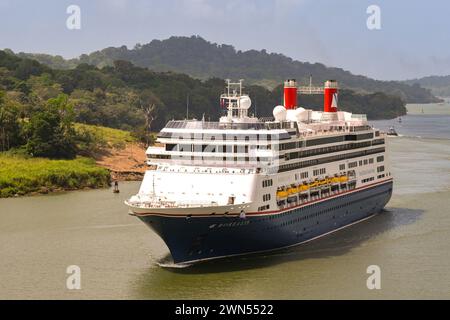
20,175
106,137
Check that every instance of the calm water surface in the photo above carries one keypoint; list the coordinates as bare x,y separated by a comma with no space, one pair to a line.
118,255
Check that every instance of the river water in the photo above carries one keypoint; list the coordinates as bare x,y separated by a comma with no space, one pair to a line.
119,256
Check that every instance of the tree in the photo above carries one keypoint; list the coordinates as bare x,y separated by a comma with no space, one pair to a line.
152,107
10,128
51,130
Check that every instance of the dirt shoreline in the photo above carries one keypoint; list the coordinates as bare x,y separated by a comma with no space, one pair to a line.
126,164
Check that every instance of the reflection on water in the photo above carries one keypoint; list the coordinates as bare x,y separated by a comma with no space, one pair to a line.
119,256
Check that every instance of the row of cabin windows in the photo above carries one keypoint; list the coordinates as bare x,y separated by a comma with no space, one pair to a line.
303,175
365,162
377,141
380,176
266,197
266,137
288,166
212,159
317,172
282,146
316,142
214,148
245,148
211,148
262,208
368,179
267,183
223,137
314,162
325,150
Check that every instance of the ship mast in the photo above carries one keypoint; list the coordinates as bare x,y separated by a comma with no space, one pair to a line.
235,101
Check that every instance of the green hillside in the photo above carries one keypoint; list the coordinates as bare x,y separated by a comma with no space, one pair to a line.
203,60
439,85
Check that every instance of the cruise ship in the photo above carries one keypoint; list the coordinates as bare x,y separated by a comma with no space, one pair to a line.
245,185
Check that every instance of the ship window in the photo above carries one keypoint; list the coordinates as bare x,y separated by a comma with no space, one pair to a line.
378,141
380,158
171,147
319,171
380,169
185,147
267,183
342,167
316,142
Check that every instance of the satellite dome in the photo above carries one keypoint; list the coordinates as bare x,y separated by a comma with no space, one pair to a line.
301,114
245,102
279,113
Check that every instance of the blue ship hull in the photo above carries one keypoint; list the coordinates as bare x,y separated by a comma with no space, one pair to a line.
202,238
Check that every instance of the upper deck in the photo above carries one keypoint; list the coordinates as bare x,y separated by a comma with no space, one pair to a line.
238,140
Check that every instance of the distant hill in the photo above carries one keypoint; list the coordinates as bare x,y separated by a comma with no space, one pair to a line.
439,85
203,60
115,96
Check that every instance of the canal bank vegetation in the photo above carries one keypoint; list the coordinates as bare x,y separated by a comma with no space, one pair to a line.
22,175
95,141
47,151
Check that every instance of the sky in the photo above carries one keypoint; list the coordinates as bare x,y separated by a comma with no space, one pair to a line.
412,41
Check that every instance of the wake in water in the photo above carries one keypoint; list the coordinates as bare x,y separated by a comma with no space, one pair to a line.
168,263
421,137
173,265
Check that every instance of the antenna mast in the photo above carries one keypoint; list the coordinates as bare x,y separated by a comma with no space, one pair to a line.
187,106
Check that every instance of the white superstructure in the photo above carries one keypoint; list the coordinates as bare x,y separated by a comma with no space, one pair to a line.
242,164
